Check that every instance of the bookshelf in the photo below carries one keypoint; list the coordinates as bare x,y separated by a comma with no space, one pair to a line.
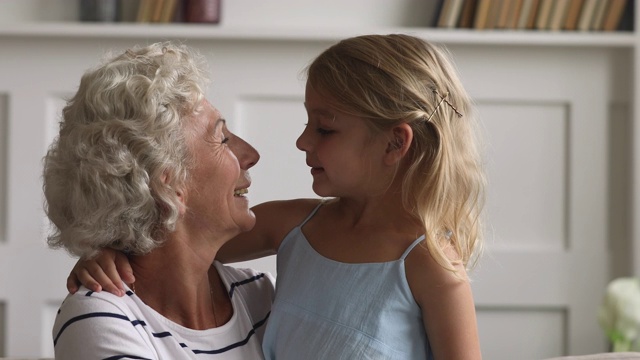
239,43
544,15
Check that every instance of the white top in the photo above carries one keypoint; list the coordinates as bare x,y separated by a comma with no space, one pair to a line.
92,325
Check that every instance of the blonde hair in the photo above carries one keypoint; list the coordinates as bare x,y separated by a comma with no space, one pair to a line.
110,177
394,79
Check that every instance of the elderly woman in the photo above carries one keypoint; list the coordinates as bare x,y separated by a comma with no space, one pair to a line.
144,164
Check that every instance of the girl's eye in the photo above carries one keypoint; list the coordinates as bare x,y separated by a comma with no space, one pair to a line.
322,131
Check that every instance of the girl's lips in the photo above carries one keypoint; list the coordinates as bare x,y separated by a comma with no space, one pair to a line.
316,170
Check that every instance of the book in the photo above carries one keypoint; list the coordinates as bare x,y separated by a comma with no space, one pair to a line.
598,15
444,13
627,20
525,13
99,10
533,15
503,14
434,11
467,13
573,14
494,13
454,13
156,13
586,15
178,16
482,13
558,15
202,11
614,14
128,10
514,14
87,10
168,12
544,14
144,11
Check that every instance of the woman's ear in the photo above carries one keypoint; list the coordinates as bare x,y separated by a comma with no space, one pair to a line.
180,193
183,201
399,143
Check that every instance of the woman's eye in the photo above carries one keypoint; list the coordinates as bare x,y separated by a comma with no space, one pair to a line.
225,140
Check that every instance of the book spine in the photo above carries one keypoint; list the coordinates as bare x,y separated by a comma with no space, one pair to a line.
203,11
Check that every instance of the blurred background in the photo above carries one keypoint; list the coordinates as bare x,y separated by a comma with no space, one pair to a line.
556,92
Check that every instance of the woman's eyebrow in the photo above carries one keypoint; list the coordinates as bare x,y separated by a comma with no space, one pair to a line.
220,122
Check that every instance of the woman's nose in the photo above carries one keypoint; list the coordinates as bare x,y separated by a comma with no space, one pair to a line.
247,155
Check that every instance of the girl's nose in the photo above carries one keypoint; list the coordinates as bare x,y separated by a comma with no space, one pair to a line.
303,143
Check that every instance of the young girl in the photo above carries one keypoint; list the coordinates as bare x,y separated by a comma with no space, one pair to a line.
378,270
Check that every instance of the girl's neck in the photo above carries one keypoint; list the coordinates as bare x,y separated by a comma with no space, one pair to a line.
367,211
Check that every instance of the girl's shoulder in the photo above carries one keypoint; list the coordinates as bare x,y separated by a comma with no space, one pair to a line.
280,216
295,208
424,273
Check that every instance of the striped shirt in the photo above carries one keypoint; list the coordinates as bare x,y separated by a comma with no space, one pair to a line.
101,325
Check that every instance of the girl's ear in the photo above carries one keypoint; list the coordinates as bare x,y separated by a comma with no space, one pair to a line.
399,143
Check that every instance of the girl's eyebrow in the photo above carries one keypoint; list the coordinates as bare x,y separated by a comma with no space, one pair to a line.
321,112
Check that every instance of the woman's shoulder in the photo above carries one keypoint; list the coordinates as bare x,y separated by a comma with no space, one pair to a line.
253,290
238,277
86,309
98,325
90,304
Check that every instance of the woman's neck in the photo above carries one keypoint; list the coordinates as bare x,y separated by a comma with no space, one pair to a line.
180,283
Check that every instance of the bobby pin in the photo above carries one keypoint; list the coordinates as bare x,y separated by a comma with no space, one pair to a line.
443,99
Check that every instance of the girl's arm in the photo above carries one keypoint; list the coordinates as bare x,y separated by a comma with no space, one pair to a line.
273,221
447,305
106,271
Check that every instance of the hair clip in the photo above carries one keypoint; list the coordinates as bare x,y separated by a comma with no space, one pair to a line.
443,99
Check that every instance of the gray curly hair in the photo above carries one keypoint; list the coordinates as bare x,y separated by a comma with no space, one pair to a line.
110,177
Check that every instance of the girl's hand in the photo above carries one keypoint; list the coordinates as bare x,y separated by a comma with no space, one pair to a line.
106,271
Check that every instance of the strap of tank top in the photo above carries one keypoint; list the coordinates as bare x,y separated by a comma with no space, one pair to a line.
311,214
416,242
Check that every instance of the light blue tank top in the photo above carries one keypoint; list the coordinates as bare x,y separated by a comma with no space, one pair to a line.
325,309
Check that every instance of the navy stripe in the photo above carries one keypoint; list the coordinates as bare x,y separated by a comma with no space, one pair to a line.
244,282
116,357
239,343
138,322
162,334
89,293
129,293
87,316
